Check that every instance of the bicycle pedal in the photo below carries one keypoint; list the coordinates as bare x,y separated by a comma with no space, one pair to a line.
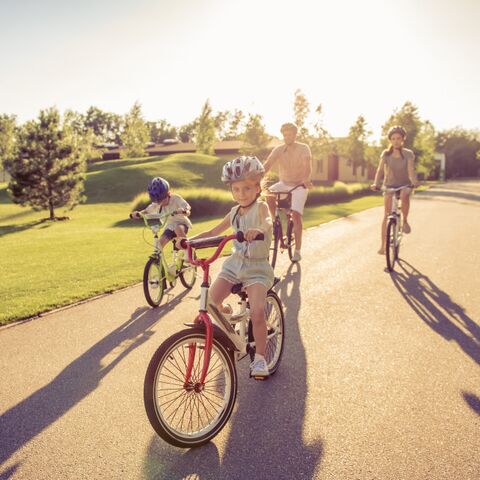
259,377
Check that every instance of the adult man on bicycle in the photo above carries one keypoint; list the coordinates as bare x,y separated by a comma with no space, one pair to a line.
294,169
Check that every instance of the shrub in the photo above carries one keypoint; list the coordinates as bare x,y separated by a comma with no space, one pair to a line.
205,202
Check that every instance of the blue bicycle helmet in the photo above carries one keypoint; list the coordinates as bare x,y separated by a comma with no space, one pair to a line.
158,189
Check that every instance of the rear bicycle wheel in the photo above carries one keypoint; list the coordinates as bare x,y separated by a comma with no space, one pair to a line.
183,414
154,282
391,244
277,232
275,331
275,321
187,274
290,239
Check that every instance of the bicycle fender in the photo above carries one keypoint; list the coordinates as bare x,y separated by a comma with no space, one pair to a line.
218,334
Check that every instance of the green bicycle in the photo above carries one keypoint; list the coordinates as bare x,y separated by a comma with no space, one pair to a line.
164,266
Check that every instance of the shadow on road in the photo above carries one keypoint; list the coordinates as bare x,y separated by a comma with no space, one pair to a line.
27,419
456,194
266,439
437,309
472,401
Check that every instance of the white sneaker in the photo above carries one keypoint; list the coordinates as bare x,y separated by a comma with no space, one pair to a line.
258,368
296,256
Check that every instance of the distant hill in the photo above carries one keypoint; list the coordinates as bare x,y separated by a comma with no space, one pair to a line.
122,180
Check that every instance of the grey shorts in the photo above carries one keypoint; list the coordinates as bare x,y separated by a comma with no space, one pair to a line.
238,269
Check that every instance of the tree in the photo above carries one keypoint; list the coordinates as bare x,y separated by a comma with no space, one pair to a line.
255,137
7,136
105,125
7,141
321,142
135,134
357,142
462,151
205,132
301,109
186,133
161,130
236,120
47,171
419,135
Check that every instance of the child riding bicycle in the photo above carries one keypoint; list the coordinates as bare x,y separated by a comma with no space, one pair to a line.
167,203
248,263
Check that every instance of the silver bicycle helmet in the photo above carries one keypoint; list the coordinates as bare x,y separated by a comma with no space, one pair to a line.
242,168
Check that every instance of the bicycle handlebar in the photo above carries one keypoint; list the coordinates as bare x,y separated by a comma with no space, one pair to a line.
287,191
156,216
218,242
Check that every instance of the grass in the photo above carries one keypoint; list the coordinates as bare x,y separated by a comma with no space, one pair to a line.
122,180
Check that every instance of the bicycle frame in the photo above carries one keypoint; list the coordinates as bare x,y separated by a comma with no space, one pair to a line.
237,339
157,249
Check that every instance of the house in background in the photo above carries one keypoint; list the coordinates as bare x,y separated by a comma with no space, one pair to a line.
329,169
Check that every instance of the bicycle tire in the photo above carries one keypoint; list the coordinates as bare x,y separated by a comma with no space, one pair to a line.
167,368
275,320
277,232
290,239
188,275
390,251
154,281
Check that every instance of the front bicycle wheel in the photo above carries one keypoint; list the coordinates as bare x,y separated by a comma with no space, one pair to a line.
391,243
154,281
290,239
187,274
275,321
277,232
182,413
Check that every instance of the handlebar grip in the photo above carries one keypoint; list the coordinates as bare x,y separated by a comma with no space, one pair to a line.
183,243
241,237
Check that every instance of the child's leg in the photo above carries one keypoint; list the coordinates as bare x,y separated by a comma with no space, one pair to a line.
164,239
219,291
257,294
181,231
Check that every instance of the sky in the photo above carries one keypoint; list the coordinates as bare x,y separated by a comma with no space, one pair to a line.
354,57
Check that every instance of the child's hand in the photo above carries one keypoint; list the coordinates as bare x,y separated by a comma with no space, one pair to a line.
178,241
251,233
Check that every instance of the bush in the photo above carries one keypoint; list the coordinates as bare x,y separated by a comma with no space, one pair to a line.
205,202
338,192
212,202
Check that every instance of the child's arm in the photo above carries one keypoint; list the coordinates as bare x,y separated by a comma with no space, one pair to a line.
265,223
147,209
379,174
184,207
411,171
217,230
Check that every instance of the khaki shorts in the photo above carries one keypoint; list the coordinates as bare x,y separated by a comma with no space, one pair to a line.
248,271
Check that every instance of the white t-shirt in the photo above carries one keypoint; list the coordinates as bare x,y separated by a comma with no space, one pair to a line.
176,202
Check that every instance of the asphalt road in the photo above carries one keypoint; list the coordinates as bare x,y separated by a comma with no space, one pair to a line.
380,377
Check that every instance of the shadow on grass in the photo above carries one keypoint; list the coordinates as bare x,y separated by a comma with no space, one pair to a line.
437,309
8,229
76,381
266,438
